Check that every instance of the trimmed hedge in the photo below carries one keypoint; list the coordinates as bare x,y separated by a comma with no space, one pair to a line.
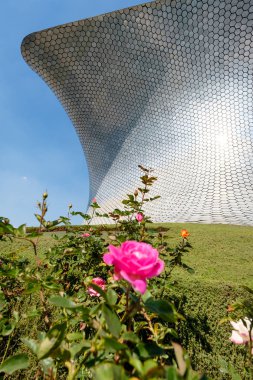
203,335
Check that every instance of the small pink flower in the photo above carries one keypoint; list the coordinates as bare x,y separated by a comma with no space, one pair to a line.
134,262
99,282
139,217
94,200
241,332
86,234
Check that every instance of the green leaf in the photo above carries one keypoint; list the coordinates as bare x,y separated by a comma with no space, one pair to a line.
143,169
147,350
78,348
6,228
50,285
147,295
148,366
3,301
223,365
98,289
113,345
33,234
112,297
189,269
32,287
156,197
129,336
10,325
109,371
162,308
20,231
63,302
94,310
121,238
32,344
228,368
52,340
14,363
84,216
136,363
94,205
38,217
171,374
74,336
112,320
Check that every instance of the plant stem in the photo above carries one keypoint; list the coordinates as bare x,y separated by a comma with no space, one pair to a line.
143,312
6,348
127,303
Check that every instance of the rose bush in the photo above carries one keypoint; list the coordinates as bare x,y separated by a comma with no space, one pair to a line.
90,326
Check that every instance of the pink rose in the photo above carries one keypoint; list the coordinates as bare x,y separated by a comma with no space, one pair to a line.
99,282
135,262
86,234
139,217
240,334
94,200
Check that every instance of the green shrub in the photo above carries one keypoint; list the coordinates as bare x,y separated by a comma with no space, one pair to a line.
57,323
202,334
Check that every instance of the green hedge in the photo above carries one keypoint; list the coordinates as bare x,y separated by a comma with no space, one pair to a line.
202,334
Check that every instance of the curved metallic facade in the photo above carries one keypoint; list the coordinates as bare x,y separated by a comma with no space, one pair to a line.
166,84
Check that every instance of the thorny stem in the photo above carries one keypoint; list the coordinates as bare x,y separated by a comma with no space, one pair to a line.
143,231
127,302
34,244
127,297
141,204
43,213
143,197
130,217
42,299
130,310
143,312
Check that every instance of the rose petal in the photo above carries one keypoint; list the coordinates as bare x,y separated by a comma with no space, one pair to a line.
108,259
236,338
140,286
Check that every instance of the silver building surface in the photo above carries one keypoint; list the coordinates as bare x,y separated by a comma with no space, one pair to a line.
166,84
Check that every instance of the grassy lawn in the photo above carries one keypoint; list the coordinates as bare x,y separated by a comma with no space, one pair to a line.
221,253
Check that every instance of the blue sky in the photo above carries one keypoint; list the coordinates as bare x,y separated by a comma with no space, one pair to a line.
38,144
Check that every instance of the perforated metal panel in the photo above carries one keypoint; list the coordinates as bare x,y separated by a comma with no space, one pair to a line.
166,84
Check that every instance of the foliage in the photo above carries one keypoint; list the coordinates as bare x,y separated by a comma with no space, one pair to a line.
201,333
242,333
116,334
